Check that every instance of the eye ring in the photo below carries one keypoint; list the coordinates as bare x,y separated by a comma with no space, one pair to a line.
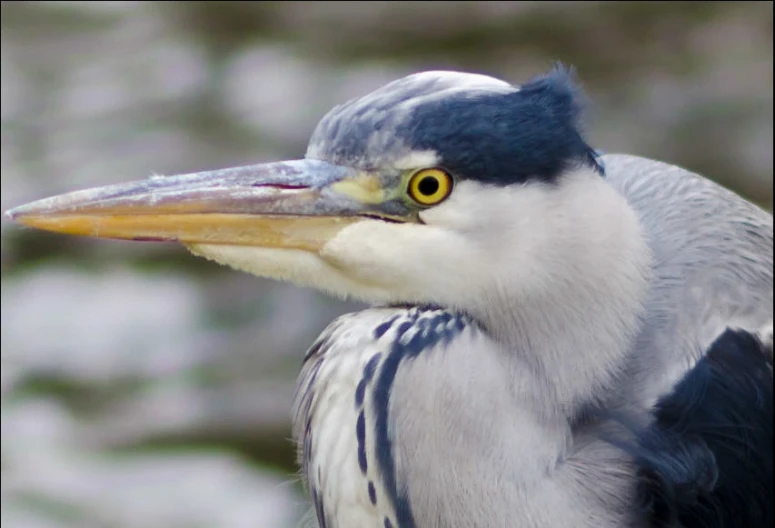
429,186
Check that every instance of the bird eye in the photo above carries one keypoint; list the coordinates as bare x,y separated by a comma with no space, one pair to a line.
429,186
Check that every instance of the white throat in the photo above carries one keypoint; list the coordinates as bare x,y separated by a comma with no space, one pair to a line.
594,274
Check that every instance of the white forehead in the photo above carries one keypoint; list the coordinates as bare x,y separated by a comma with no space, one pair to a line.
392,104
460,81
428,86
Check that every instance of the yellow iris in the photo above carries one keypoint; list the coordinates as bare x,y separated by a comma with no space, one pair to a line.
429,186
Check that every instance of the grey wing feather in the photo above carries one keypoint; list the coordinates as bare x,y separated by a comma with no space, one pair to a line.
713,258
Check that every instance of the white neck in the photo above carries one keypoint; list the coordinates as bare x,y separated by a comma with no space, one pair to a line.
574,307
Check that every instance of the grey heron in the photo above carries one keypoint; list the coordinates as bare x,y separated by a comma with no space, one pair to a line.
558,338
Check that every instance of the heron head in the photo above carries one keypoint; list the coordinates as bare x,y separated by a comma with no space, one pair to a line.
442,187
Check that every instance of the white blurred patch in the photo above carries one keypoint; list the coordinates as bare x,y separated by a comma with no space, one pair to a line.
96,328
272,90
42,464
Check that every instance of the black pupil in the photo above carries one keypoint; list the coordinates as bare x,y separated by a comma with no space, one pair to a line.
428,186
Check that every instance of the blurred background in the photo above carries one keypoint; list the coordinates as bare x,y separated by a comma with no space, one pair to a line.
142,387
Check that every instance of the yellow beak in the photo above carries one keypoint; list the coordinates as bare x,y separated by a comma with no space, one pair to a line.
296,204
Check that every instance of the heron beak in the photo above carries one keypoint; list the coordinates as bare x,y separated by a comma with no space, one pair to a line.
298,204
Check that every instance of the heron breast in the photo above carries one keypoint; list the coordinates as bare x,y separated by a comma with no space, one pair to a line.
341,422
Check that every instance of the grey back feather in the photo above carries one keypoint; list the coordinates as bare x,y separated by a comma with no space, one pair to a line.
713,258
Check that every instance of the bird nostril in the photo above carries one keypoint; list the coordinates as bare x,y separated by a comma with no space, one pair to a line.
283,186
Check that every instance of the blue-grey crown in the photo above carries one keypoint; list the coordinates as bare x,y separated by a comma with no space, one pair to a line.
479,127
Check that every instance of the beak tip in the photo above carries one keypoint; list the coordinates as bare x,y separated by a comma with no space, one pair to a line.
13,214
18,213
44,207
